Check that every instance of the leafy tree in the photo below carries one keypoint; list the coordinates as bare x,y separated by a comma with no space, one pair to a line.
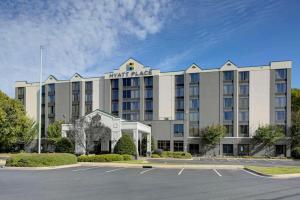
54,130
268,135
144,144
211,135
125,145
295,96
295,129
64,145
16,129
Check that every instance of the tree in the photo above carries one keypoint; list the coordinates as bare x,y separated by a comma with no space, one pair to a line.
295,96
295,129
267,136
125,145
211,135
64,145
16,129
54,130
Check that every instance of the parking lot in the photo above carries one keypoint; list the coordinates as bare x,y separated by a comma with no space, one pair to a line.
142,183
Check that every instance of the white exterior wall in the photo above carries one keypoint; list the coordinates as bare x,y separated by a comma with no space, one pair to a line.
259,99
32,101
96,91
166,105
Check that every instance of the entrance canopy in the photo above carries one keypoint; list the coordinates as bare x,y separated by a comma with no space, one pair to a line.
102,130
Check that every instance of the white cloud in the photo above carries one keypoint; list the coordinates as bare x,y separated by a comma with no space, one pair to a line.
77,34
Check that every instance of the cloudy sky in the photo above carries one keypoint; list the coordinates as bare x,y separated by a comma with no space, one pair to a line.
92,37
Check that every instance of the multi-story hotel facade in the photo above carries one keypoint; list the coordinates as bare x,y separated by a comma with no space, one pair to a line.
177,105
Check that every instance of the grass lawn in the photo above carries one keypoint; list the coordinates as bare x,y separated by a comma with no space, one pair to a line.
275,170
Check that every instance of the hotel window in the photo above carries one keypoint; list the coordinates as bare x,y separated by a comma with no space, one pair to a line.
280,102
280,116
75,110
76,86
126,82
88,98
244,89
148,105
115,95
51,99
178,145
194,78
148,93
194,116
228,89
126,94
21,91
51,110
115,106
88,108
244,76
179,105
281,74
178,130
115,83
179,92
135,81
228,116
179,79
134,116
135,105
194,90
229,130
89,86
51,88
194,104
228,76
163,144
148,81
194,129
75,97
244,131
228,102
126,106
227,149
280,87
244,103
135,94
148,115
179,115
243,116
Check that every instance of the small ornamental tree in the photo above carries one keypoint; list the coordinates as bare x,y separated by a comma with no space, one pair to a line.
125,145
295,129
64,145
211,135
54,130
267,136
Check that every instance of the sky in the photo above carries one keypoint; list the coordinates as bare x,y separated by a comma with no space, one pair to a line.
92,37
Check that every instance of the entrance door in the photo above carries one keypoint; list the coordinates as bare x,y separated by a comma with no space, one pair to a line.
280,150
194,149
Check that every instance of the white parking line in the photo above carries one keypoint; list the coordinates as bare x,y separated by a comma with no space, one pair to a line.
255,174
147,170
113,170
84,169
217,172
180,172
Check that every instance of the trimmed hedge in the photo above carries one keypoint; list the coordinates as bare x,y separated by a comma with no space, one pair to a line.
104,158
296,153
125,145
40,160
170,154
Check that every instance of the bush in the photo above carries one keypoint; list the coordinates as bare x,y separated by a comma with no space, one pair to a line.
104,158
296,153
125,145
179,154
158,151
154,155
64,145
40,160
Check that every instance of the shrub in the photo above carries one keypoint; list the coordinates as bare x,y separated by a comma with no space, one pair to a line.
179,154
296,153
64,145
154,155
125,145
40,160
104,158
158,151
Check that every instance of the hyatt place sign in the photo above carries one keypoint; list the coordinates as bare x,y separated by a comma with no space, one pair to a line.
130,74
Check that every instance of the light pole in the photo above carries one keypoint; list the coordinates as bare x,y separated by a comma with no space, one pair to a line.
40,104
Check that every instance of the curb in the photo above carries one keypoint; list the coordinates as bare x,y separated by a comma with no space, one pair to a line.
279,176
41,168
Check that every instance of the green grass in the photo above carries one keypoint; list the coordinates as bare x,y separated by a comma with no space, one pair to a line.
133,161
275,170
40,160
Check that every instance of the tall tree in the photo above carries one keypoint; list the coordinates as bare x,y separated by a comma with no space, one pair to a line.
295,129
16,129
295,95
54,130
211,135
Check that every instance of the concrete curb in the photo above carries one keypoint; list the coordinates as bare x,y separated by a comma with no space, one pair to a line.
279,176
41,168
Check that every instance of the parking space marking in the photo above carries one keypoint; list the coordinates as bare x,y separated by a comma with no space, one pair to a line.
113,170
84,169
217,172
147,170
255,174
180,172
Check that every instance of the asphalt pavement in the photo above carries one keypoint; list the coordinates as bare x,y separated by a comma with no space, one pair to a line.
94,183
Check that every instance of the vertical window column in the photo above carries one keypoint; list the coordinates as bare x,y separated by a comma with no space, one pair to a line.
75,100
51,103
148,95
281,98
131,99
194,105
88,97
243,104
179,97
115,97
228,101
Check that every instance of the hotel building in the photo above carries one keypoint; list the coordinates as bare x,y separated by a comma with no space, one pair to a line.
177,104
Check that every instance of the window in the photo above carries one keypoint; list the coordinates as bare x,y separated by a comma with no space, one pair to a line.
228,76
194,90
280,102
194,104
179,91
243,116
126,94
88,97
281,87
135,105
115,95
228,89
115,83
228,115
134,116
178,130
114,106
135,94
280,116
163,144
229,130
194,116
244,89
194,129
88,108
51,110
244,76
179,115
281,74
148,115
76,86
75,110
178,145
135,81
89,86
126,81
51,99
148,81
244,103
280,150
75,97
126,106
179,104
148,93
21,91
179,79
51,87
194,78
244,131
228,102
148,105
227,149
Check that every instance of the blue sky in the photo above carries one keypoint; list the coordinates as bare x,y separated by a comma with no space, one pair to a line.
94,37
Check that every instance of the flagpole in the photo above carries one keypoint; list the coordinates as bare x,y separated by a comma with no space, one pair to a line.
40,104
